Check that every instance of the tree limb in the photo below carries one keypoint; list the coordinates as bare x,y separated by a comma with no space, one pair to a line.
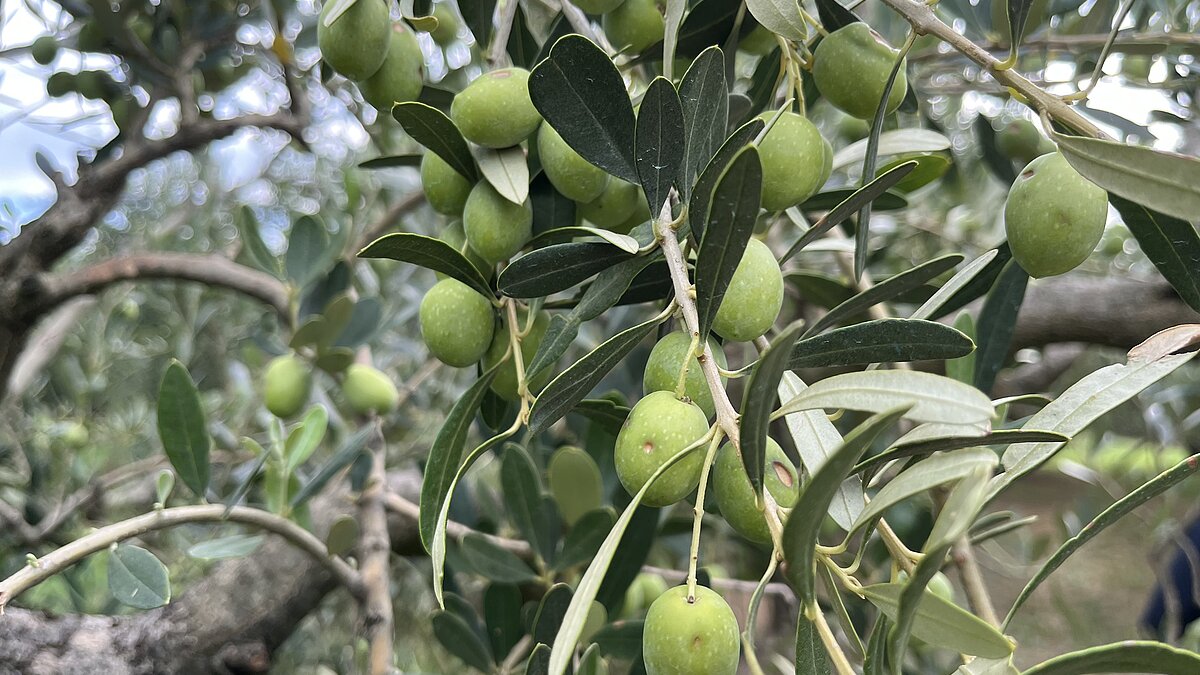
375,557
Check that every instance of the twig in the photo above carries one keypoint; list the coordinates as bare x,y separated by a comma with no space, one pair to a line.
387,221
972,580
62,558
456,530
375,556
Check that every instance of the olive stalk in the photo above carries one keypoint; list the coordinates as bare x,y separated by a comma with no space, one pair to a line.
698,513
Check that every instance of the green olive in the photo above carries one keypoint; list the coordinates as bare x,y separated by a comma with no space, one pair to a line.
369,391
445,189
401,75
505,382
851,67
615,205
634,25
1020,141
735,495
754,298
286,385
356,44
759,42
453,234
658,427
665,362
569,173
690,638
456,323
597,6
495,227
495,110
44,49
793,161
447,28
1054,217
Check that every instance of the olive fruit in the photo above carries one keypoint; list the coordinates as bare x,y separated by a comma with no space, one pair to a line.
401,75
1020,141
575,483
44,49
569,173
1054,217
759,42
852,128
495,227
367,390
641,214
657,428
453,234
645,589
690,638
851,67
505,382
494,110
75,435
615,205
754,297
793,161
597,6
634,25
445,189
356,44
735,496
286,384
447,28
665,362
456,323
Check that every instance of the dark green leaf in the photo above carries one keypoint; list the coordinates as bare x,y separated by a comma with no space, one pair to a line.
551,210
980,284
824,201
457,637
550,613
555,268
800,531
479,16
610,285
942,623
539,661
493,562
433,129
834,16
344,457
391,162
604,412
502,614
429,253
928,447
640,534
137,578
308,245
621,639
1018,14
703,191
811,658
182,428
876,657
880,341
764,82
569,388
997,321
758,401
1172,244
1000,165
522,46
560,334
446,454
704,95
558,29
585,537
658,142
885,290
362,324
732,213
581,94
709,22
436,97
523,498
1128,656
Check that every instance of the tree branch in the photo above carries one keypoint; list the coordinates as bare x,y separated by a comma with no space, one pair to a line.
1134,43
374,558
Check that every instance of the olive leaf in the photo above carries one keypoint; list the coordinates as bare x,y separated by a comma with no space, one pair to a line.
182,428
429,253
659,142
433,129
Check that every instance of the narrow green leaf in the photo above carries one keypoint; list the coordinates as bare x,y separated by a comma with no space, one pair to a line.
223,548
885,290
979,666
604,412
658,142
803,526
429,253
875,662
304,439
1161,181
704,94
781,17
521,45
956,283
880,341
898,142
575,382
672,20
523,497
391,162
833,15
551,210
999,164
1172,244
585,538
702,193
493,562
758,400
446,454
556,268
561,235
621,639
1018,15
997,321
137,578
942,623
811,658
308,245
580,93
944,444
344,457
182,428
1127,656
433,129
634,553
932,398
505,169
1119,509
937,470
732,214
502,616
551,612
457,637
824,201
539,661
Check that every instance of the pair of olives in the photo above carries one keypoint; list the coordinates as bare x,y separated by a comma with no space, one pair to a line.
382,56
287,384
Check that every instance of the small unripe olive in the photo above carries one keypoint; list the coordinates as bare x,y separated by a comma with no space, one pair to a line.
735,496
754,298
1020,141
456,323
665,362
852,129
598,6
657,428
44,49
634,25
286,385
453,234
445,189
793,161
495,110
575,483
690,638
1054,217
645,589
75,435
356,44
851,67
569,173
641,214
939,585
401,75
495,227
615,205
368,390
505,382
447,28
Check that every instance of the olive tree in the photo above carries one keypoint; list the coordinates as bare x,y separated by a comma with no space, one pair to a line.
678,252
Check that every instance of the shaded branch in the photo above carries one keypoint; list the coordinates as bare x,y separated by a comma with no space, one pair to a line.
1133,43
374,558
